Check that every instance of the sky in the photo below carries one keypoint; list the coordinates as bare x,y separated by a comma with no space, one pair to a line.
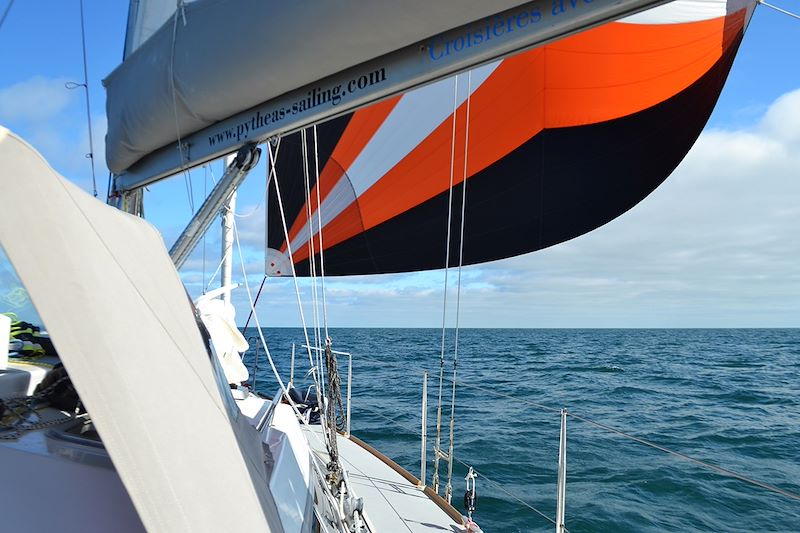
717,245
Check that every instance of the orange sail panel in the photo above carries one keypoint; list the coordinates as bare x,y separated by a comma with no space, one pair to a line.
550,144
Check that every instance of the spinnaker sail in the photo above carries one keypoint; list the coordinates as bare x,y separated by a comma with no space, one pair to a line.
558,141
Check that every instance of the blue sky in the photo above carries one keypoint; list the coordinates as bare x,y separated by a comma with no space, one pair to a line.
716,246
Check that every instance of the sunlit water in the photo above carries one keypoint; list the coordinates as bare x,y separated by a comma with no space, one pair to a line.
729,397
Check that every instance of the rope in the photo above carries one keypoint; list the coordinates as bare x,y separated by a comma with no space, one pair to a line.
205,195
274,177
186,177
779,10
319,232
5,13
718,469
458,289
311,264
484,476
510,495
90,155
253,311
284,390
309,221
258,295
435,480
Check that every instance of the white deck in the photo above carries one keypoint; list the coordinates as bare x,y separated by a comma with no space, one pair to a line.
391,502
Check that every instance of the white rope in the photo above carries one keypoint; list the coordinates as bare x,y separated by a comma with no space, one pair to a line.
205,195
311,263
275,372
458,285
186,176
484,476
435,480
255,314
88,111
778,9
214,275
294,278
319,232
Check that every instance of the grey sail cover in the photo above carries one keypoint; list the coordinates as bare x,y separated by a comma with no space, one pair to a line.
122,323
215,58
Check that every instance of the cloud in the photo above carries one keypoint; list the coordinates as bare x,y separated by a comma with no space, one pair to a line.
52,119
715,246
37,99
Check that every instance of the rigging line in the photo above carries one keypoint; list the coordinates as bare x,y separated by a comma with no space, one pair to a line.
205,195
310,221
258,295
253,309
484,476
311,262
458,284
294,274
718,469
435,479
219,266
90,155
257,208
310,243
214,275
319,232
5,13
267,175
173,90
778,9
263,340
512,496
611,429
467,385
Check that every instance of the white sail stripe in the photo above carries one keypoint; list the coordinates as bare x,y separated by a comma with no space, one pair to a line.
340,197
420,112
681,11
416,115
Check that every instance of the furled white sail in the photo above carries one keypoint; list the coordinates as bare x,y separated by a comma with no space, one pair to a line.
125,330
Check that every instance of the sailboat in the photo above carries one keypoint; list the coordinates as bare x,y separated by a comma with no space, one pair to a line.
166,436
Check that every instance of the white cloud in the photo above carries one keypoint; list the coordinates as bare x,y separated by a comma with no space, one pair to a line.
52,119
37,99
716,245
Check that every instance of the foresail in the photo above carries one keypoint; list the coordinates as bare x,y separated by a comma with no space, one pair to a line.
558,141
125,331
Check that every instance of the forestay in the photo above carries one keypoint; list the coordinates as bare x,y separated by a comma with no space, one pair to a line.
562,139
125,330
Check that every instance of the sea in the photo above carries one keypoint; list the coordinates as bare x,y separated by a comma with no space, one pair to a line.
727,397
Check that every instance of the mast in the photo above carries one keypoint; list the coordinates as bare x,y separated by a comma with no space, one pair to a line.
228,211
